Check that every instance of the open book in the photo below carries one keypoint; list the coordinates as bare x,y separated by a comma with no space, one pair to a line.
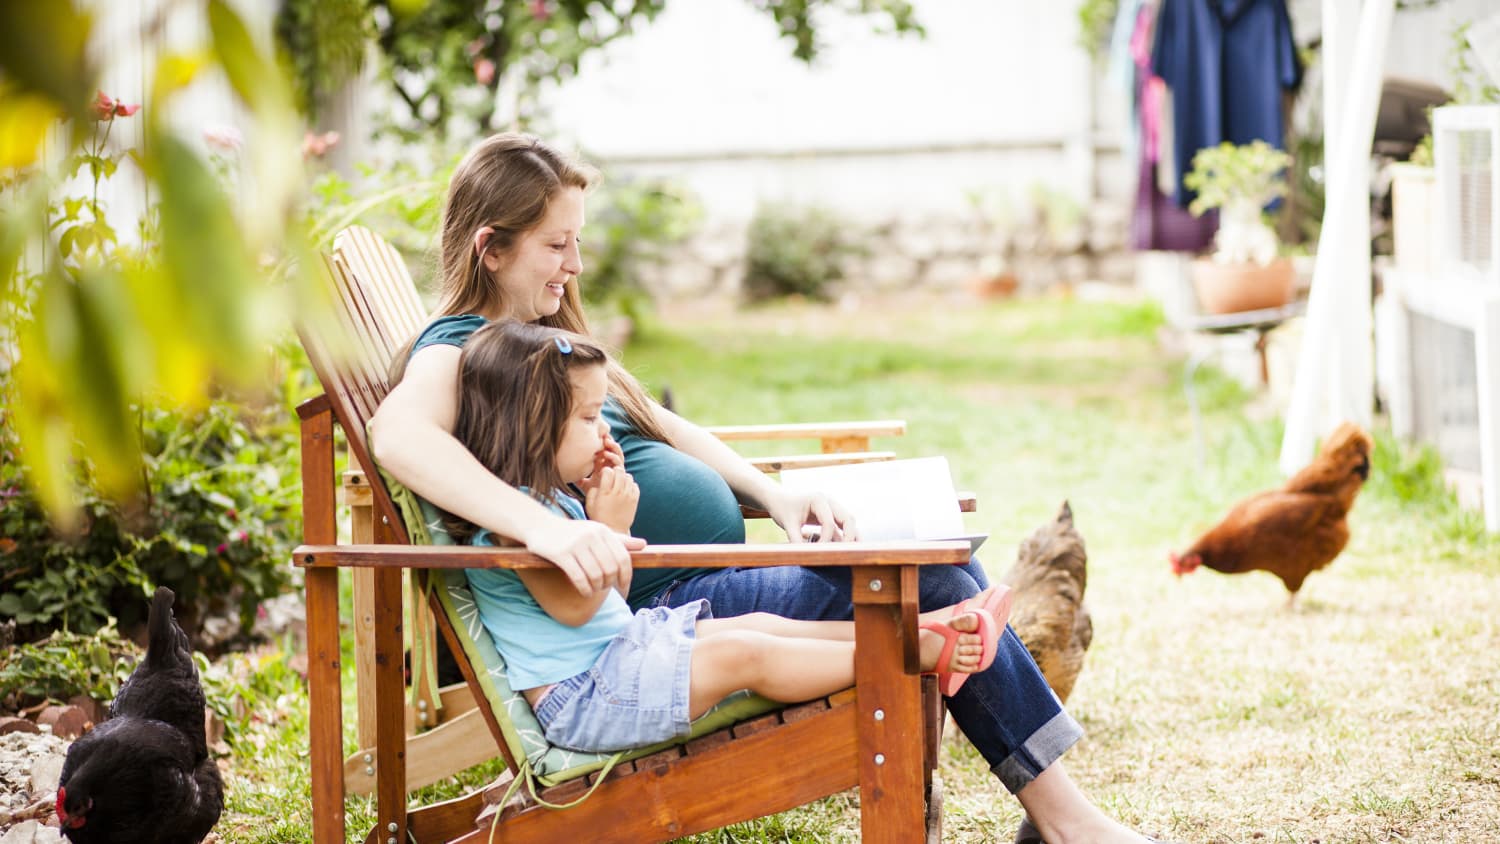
892,499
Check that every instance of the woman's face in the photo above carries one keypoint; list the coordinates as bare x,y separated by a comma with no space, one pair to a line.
543,262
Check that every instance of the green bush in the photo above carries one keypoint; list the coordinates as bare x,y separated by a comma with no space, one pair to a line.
796,252
631,225
216,524
66,664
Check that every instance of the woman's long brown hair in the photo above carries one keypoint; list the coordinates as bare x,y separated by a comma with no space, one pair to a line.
515,394
506,182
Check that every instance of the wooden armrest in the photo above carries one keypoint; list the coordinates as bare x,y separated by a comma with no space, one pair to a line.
968,502
810,431
833,437
771,465
654,556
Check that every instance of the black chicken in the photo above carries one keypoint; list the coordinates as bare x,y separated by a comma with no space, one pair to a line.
144,775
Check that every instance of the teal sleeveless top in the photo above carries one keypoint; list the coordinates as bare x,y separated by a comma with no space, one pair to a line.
683,501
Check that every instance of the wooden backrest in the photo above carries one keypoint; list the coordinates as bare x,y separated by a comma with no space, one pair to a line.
375,312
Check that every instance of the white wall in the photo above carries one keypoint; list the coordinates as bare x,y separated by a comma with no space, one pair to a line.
996,96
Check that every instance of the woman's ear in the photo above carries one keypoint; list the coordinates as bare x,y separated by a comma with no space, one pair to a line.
481,248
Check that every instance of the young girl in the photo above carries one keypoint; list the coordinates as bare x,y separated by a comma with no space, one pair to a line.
530,409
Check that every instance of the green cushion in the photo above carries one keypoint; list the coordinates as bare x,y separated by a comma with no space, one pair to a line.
518,724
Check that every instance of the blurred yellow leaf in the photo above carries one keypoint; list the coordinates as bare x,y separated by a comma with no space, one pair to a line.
212,273
24,120
76,381
175,71
42,50
407,8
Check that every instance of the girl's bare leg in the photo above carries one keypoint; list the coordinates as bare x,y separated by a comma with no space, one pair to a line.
1063,815
792,661
775,625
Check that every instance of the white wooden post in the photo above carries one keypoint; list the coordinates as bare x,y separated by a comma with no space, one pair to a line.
1487,349
1335,369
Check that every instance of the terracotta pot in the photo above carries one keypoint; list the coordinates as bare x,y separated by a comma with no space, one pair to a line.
1231,288
992,286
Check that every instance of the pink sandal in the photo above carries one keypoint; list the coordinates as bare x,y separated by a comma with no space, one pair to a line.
949,682
997,600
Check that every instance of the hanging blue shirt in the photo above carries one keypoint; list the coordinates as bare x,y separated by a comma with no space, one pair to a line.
1227,63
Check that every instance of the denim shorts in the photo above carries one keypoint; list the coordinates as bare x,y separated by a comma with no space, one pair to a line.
636,694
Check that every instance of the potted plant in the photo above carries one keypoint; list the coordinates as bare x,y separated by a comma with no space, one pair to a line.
1246,271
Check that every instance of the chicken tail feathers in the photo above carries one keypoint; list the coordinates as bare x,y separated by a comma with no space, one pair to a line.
167,641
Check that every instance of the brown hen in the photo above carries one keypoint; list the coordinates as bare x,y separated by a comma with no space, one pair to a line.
1047,610
1293,531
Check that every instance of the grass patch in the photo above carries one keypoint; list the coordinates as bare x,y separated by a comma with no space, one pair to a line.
1370,713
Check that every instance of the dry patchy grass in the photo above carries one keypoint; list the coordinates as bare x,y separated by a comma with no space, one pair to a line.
1370,712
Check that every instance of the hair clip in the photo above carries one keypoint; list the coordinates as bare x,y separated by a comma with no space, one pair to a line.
481,239
563,345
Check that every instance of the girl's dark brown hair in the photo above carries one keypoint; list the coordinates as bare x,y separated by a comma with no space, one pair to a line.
506,182
514,398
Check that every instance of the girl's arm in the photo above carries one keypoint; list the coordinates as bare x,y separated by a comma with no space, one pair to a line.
411,436
559,599
751,486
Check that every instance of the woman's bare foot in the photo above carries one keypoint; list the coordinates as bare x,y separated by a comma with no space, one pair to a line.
967,652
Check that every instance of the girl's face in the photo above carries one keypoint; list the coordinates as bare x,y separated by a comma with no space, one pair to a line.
536,272
584,432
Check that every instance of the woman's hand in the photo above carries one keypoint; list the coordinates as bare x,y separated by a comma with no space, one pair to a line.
792,511
594,557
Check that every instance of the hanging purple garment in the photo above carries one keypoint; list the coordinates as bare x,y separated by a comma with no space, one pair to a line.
1158,222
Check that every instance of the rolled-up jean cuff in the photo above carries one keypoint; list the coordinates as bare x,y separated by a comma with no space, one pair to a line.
1038,752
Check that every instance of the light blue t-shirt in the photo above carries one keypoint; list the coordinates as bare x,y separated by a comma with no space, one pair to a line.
538,649
683,501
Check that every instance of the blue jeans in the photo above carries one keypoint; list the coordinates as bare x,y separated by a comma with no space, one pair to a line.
1007,711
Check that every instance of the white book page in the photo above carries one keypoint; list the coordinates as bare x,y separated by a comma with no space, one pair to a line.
892,499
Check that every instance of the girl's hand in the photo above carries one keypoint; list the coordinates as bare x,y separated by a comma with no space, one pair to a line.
593,557
612,498
608,456
794,510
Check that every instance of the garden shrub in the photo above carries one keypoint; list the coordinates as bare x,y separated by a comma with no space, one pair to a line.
66,664
632,224
215,523
796,252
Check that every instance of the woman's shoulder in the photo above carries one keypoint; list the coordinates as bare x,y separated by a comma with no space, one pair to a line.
454,330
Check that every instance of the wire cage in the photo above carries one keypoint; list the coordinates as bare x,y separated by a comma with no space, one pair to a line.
1466,150
1438,334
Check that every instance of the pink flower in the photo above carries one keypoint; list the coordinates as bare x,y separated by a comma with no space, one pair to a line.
484,71
104,107
241,536
539,10
316,146
224,139
223,547
107,108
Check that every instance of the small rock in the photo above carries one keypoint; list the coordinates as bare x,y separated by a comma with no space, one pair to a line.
91,708
45,773
22,833
12,724
67,722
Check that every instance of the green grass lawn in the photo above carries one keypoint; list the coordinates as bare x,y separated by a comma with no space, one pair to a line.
1369,713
